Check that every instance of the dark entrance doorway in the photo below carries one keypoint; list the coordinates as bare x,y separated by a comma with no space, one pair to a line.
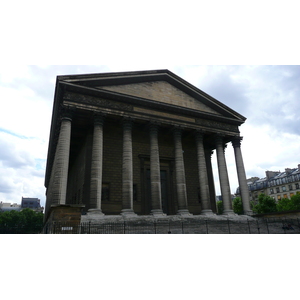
164,191
166,180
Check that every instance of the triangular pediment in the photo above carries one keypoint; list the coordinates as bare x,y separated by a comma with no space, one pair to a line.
163,92
156,87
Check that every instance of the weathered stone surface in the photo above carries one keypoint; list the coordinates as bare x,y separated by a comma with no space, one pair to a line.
161,91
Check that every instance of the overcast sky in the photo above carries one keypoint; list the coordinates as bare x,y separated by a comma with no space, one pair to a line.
268,96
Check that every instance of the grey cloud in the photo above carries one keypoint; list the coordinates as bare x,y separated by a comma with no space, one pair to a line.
222,87
264,94
281,111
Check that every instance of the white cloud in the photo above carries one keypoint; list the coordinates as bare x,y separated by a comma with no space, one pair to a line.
24,113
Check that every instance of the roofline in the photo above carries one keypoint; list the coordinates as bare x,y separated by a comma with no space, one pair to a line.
150,75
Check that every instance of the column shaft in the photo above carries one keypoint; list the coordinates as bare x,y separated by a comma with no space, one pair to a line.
61,164
127,170
223,177
96,166
180,173
203,178
236,143
155,172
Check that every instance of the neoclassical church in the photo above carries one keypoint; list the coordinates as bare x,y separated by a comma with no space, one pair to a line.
139,143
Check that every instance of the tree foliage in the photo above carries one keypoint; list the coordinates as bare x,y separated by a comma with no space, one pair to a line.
219,207
286,204
238,205
266,204
25,221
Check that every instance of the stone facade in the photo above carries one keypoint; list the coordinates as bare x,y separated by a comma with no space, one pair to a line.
139,143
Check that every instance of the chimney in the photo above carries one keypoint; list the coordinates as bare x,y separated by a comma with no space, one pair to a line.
270,174
288,171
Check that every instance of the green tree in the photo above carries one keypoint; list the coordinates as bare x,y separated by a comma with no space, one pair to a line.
285,204
265,204
238,205
25,221
252,205
220,207
295,199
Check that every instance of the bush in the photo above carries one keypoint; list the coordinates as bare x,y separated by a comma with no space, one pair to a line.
296,201
238,206
266,204
286,204
219,207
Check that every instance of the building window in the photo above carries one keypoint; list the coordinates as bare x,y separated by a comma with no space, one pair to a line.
277,190
278,197
284,188
291,194
285,196
271,191
290,187
297,185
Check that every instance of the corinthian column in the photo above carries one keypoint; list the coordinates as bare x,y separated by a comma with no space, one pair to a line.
236,143
155,173
96,166
61,163
223,176
127,170
180,174
203,178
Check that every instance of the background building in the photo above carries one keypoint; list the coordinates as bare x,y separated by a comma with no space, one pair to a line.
32,203
7,206
276,184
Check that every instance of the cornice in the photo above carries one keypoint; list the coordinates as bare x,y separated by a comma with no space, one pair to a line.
128,100
120,78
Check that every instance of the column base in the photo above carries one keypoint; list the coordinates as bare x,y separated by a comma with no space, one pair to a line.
249,213
207,212
184,213
128,213
95,211
229,212
157,213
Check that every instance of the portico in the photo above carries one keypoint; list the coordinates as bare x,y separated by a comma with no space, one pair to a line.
136,143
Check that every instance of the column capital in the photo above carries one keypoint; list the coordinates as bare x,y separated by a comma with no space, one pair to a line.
67,113
177,131
153,126
99,118
127,122
236,141
219,138
199,134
